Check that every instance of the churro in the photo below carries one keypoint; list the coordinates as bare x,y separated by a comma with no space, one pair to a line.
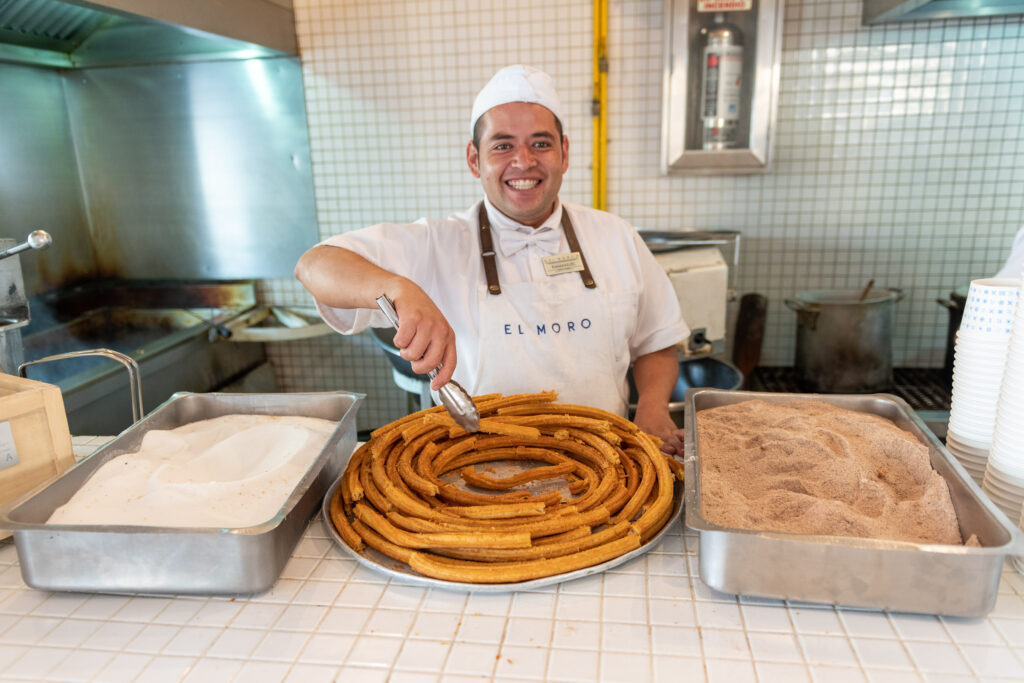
575,487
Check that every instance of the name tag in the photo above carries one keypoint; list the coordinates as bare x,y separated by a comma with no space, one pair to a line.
559,264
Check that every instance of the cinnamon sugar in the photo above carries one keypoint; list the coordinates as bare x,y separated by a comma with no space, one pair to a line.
812,468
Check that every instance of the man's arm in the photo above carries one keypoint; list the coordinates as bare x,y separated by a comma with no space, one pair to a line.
341,278
655,376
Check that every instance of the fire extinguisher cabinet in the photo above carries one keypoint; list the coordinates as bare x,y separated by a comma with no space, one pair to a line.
721,81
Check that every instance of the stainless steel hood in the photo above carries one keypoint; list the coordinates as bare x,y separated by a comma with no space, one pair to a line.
885,11
80,33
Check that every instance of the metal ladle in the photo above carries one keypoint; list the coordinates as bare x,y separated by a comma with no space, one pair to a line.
454,398
37,239
867,290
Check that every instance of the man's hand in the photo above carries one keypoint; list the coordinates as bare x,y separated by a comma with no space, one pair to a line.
660,424
424,336
655,375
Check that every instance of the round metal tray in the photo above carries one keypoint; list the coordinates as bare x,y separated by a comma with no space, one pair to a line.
400,572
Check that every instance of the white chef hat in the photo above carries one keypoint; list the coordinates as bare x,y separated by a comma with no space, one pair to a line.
517,83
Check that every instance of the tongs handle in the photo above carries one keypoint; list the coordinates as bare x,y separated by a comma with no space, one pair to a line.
388,309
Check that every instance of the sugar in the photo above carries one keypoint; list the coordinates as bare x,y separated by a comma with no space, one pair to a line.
812,468
232,471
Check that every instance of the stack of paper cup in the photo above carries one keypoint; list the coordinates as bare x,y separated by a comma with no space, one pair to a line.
1004,476
979,361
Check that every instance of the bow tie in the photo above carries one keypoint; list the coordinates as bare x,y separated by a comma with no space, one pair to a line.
512,241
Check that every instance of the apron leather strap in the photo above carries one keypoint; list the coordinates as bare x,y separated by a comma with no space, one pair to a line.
491,268
487,253
574,245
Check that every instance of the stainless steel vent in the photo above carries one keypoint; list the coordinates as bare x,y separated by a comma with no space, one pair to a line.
76,33
885,11
55,25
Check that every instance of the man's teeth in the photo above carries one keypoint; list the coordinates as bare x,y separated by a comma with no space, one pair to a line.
523,184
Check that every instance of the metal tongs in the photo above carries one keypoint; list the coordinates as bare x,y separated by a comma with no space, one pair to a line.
453,397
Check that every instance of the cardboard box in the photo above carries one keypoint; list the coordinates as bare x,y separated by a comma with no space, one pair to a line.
35,443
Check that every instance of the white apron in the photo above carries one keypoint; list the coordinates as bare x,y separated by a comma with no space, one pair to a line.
555,334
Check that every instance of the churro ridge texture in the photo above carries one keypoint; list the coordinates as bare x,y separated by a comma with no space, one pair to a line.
586,486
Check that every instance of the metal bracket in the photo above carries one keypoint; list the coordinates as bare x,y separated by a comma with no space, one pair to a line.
134,376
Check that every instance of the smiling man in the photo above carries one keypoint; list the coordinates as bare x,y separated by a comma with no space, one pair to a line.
523,292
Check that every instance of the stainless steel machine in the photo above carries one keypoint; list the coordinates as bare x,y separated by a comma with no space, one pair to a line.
14,312
703,281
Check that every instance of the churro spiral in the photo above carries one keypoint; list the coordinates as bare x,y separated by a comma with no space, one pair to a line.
397,494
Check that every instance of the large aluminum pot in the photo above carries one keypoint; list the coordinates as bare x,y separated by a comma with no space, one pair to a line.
844,342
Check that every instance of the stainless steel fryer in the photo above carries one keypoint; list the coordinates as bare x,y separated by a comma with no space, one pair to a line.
857,572
177,560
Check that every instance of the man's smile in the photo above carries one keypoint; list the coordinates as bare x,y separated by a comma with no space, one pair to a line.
524,184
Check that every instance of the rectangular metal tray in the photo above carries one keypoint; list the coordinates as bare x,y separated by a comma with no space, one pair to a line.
857,572
178,560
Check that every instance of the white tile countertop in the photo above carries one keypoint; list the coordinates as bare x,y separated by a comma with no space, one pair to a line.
329,618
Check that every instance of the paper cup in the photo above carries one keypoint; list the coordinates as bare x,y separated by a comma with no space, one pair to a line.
984,363
1005,469
982,374
969,440
1007,482
975,466
975,404
975,424
985,389
1009,431
1013,375
992,300
953,442
1007,506
979,441
970,461
989,315
1007,503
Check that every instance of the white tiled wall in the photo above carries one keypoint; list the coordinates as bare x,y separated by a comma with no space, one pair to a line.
899,153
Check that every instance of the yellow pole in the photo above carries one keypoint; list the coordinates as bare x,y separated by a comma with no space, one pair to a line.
599,104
